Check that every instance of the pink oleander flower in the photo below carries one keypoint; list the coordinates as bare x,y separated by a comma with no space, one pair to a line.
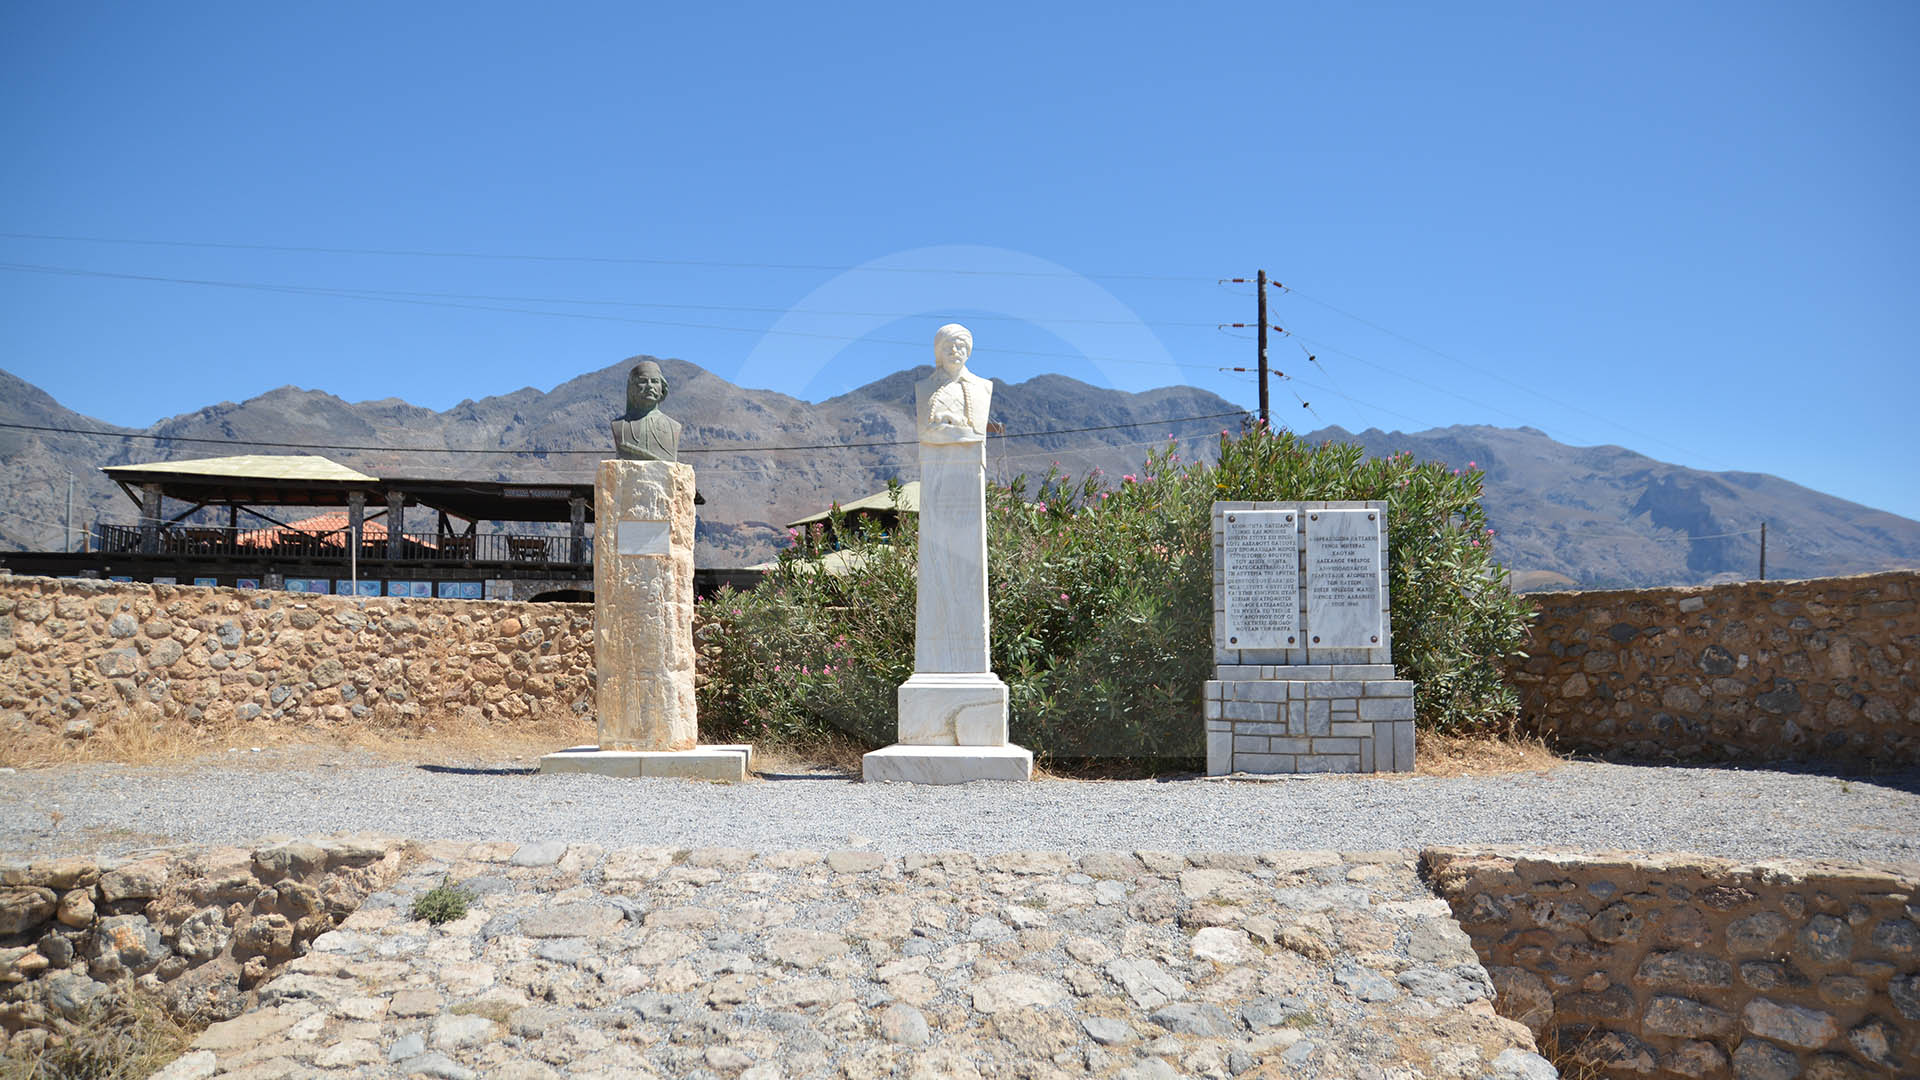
1128,479
1063,598
1104,494
1470,464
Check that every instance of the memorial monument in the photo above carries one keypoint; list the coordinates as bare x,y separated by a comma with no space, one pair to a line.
1303,642
643,606
953,710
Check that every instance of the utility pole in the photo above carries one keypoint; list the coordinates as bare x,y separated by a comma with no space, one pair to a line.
1763,551
66,526
1261,289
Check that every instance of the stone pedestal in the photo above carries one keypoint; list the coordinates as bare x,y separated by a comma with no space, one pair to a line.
953,710
643,631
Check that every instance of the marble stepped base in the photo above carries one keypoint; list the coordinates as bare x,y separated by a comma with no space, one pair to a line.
726,762
953,709
947,764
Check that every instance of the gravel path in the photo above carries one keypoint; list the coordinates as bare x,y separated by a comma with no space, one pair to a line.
1738,813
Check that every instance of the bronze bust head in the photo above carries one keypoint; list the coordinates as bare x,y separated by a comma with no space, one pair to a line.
644,433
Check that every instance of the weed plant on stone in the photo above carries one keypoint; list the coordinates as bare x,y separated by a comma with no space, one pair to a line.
1100,597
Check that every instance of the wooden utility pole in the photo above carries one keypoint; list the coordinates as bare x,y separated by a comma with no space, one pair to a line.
1763,551
1260,287
66,526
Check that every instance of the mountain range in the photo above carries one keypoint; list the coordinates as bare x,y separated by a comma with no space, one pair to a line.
1565,516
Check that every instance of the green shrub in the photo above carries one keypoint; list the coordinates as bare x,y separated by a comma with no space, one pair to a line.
1100,600
443,903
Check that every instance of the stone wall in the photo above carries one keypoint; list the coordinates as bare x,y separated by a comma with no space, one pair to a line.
1685,966
1827,669
76,655
201,928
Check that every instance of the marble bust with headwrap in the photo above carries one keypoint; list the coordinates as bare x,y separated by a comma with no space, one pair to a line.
645,433
952,402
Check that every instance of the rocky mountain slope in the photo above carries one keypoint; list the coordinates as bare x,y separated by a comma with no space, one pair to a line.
1566,515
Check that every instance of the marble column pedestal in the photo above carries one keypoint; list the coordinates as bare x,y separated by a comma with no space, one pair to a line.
643,632
953,710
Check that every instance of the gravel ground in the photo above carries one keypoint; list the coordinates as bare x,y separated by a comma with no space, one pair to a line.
1738,813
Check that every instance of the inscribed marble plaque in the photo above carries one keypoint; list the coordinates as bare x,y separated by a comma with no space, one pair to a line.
642,538
1263,579
1343,579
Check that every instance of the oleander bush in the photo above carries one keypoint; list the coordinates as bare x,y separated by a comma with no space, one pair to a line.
1100,599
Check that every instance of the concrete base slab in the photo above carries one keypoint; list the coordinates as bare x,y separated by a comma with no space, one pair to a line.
953,709
947,764
726,762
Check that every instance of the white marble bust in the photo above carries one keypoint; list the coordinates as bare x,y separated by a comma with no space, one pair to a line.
952,402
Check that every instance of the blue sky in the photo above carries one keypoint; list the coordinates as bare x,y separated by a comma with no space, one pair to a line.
1686,229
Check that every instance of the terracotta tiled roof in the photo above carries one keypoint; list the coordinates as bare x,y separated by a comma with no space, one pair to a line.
329,528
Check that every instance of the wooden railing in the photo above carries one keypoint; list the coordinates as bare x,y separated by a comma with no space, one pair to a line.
514,548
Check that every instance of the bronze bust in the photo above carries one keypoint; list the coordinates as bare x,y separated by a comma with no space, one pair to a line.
645,433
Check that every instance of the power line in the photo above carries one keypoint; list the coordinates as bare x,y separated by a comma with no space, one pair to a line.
1491,374
651,305
532,451
385,297
619,260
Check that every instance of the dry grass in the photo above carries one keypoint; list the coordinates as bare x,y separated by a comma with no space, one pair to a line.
1569,1058
130,1036
830,754
137,739
134,740
1481,755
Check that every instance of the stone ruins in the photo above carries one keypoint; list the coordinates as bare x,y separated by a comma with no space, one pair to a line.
1303,642
953,710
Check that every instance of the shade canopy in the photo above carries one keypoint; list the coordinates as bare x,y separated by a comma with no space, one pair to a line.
311,480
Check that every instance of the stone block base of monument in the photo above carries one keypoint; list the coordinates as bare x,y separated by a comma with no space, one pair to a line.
727,762
947,764
953,709
1304,718
953,730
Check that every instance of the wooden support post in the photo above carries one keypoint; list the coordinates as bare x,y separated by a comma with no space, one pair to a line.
150,518
577,513
356,524
396,523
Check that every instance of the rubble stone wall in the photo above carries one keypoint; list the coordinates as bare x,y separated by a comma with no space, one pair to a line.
77,654
1686,966
1825,669
201,928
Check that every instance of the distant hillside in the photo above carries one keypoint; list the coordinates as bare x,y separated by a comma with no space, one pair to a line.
1604,515
1566,516
750,491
